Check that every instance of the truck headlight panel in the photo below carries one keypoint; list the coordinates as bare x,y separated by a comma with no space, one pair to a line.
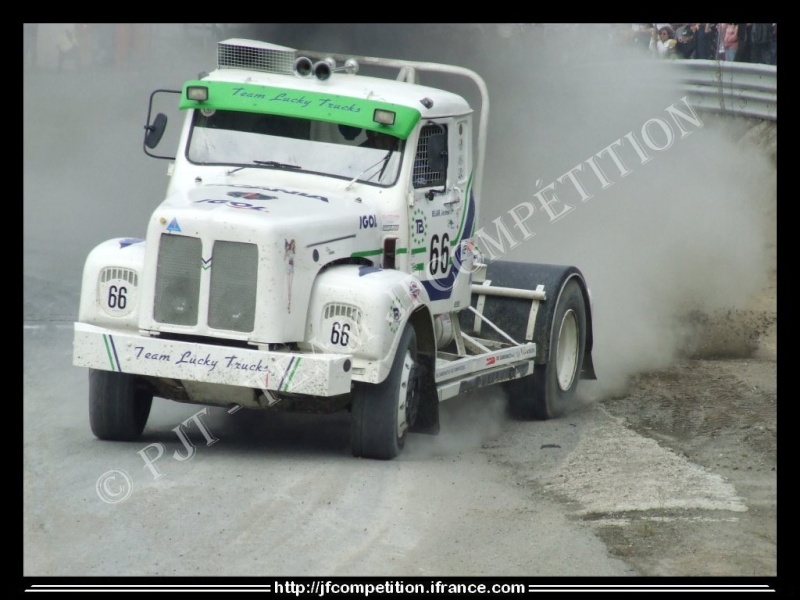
178,280
198,93
117,291
177,304
341,327
233,286
384,117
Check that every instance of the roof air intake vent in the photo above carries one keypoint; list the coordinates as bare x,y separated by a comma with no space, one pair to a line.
256,56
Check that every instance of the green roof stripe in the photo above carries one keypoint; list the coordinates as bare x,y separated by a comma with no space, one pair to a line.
332,108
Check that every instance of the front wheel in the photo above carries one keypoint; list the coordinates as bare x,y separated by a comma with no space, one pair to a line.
550,391
382,413
118,405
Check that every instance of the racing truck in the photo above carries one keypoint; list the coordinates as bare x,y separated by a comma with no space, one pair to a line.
317,250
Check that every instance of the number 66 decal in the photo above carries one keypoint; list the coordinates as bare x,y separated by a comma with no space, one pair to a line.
117,297
440,254
340,333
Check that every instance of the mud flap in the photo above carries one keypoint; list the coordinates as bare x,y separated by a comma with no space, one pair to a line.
427,420
512,315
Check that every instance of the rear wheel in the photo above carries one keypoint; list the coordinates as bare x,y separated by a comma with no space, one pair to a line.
382,413
550,391
118,405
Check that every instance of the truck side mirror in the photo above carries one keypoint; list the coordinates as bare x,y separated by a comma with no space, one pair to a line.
437,152
154,132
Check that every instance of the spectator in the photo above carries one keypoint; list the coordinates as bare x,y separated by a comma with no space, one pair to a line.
669,27
773,45
743,51
640,35
706,36
760,43
730,40
721,40
686,46
662,44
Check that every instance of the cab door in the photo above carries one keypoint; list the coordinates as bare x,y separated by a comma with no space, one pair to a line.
439,221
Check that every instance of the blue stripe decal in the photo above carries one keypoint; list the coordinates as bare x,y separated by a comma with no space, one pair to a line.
114,352
442,288
286,372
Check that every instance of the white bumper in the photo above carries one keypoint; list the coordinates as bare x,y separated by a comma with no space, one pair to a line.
299,373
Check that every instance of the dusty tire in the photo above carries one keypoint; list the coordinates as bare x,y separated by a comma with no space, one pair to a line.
550,391
382,413
118,407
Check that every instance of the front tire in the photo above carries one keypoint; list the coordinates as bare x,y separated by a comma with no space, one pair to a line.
118,405
382,413
550,391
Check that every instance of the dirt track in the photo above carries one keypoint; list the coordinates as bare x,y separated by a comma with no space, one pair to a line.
717,408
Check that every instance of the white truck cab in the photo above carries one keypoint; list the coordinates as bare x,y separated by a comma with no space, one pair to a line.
315,251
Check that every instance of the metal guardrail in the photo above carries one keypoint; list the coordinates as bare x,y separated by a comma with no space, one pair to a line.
731,88
743,89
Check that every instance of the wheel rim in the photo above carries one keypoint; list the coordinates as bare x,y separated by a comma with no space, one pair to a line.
567,352
407,396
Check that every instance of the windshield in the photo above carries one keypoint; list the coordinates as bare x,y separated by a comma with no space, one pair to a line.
244,140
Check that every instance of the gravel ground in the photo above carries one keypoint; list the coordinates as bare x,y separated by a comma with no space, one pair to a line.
717,408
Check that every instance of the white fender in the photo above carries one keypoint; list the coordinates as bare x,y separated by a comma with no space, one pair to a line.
112,275
361,311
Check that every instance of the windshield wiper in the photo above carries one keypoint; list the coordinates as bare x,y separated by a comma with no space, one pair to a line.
279,165
384,160
267,163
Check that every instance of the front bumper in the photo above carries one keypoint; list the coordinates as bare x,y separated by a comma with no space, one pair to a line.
298,373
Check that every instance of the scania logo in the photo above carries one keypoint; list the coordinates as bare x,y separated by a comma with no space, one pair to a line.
234,204
251,196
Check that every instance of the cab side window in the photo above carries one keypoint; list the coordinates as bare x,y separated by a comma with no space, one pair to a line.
423,175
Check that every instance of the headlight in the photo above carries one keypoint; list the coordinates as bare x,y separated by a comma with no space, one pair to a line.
118,290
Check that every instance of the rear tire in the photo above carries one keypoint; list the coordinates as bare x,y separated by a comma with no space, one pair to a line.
382,413
550,391
118,405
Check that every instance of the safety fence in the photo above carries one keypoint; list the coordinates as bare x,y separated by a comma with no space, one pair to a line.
742,89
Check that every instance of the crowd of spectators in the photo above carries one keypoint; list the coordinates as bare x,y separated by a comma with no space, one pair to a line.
740,42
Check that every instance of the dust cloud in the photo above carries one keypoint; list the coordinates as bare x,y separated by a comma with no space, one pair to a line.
690,229
686,230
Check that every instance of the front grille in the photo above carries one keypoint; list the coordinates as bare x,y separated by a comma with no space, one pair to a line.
233,279
178,280
257,56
